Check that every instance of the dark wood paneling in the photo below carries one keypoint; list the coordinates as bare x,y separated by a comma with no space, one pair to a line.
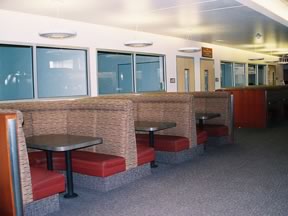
249,108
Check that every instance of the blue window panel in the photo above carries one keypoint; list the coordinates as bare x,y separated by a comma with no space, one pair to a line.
226,75
240,77
16,79
61,72
261,74
251,74
149,73
115,73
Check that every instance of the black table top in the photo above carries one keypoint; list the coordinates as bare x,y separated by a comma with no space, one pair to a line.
206,116
153,126
61,142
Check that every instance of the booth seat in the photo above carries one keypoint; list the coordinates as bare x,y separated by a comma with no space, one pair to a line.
145,154
216,130
214,102
40,188
95,164
46,183
38,159
90,163
220,129
102,167
202,136
173,145
84,162
166,143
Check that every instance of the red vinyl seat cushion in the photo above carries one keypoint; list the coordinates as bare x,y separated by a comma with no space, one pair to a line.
46,183
164,142
87,163
145,154
202,136
38,159
96,164
216,130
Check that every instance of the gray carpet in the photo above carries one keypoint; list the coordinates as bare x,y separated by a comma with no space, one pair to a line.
248,178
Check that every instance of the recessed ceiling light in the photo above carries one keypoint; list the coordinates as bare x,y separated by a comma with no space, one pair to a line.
138,43
258,35
58,34
189,49
256,59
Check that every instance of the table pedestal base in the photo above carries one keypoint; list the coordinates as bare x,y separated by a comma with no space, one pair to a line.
151,144
69,176
153,164
69,196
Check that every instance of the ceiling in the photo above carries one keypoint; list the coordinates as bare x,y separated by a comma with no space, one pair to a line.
223,22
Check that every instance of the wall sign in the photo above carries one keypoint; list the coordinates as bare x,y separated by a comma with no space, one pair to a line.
207,52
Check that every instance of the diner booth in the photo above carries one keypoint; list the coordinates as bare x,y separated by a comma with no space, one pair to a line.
102,143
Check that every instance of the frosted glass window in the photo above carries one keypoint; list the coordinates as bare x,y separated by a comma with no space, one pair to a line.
226,75
16,80
239,72
252,75
149,73
115,73
61,72
261,74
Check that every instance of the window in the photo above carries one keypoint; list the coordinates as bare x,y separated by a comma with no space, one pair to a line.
239,72
261,74
227,75
16,80
61,72
116,73
149,73
252,74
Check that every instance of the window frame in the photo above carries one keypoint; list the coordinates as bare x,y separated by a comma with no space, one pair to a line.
23,45
132,70
86,73
133,53
35,72
232,71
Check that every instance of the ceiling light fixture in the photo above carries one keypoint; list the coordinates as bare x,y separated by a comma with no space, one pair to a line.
219,40
189,49
58,34
138,43
256,59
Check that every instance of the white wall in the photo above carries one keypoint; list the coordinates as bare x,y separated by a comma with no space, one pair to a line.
20,28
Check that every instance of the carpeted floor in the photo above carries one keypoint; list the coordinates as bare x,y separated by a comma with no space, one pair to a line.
248,178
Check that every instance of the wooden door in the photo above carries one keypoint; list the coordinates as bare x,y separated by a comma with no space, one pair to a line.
185,74
207,75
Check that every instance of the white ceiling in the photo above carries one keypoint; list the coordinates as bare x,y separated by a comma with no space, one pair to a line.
223,22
